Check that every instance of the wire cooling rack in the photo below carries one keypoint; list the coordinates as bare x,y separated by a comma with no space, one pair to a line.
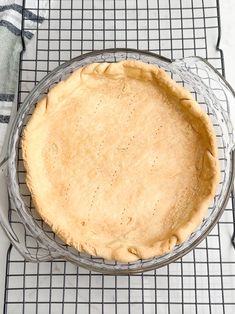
201,282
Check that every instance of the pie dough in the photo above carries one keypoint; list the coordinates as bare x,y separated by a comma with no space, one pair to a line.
121,161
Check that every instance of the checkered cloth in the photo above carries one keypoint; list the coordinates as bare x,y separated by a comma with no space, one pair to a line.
13,40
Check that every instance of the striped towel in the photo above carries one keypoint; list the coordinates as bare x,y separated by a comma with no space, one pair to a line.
12,41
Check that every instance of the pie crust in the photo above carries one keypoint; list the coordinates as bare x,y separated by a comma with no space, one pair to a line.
121,161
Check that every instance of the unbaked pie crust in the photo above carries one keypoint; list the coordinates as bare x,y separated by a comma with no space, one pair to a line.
121,161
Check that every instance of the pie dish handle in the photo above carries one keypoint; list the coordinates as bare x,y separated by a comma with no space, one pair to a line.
208,82
4,207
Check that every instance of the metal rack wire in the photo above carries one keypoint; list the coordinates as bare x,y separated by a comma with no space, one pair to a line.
202,281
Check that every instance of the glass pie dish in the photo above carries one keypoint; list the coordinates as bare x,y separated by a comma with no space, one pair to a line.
35,240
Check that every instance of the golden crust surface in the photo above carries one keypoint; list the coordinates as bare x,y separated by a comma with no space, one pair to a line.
121,161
